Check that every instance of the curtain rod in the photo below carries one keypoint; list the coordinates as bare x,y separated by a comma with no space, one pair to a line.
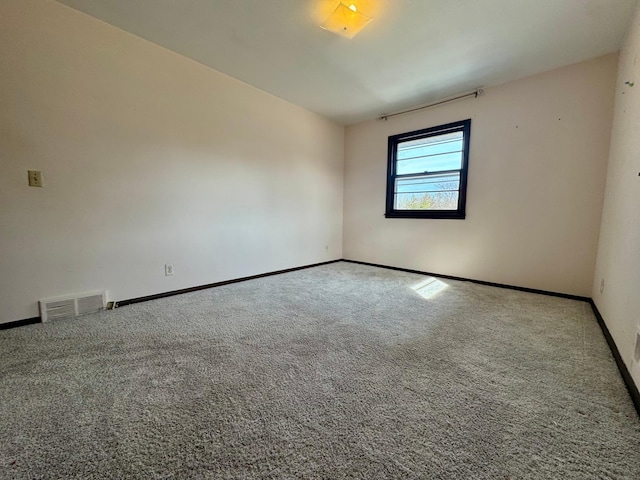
476,93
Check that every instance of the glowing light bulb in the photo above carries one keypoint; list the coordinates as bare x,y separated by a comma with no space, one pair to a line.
352,7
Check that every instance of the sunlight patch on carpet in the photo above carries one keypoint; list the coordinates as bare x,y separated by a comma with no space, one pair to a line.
429,288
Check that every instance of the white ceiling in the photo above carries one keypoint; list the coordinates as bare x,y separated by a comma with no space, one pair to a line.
414,52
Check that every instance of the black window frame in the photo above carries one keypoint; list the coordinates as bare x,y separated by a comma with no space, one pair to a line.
463,126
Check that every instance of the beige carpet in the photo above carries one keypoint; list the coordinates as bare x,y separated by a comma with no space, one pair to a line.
335,372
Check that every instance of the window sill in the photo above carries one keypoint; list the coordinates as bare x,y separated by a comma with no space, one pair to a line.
443,214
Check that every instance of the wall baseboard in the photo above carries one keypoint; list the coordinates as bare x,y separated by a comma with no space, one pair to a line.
20,323
624,371
130,301
480,282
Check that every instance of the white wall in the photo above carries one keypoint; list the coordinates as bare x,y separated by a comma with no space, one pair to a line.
148,158
618,260
537,168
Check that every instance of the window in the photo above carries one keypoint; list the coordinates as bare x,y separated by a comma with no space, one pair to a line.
427,173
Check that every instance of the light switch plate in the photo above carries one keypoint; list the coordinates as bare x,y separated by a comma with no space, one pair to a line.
35,178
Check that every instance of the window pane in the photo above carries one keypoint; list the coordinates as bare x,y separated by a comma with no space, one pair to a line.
431,154
427,192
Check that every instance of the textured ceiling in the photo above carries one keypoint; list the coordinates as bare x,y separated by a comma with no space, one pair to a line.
414,52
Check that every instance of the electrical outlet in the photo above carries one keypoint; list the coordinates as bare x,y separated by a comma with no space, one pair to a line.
35,178
168,269
635,363
602,286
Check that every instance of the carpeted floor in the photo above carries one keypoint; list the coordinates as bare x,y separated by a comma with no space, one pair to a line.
339,371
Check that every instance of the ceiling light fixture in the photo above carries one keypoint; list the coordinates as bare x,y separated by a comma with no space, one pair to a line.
346,21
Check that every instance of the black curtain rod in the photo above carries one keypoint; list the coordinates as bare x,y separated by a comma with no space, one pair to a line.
477,92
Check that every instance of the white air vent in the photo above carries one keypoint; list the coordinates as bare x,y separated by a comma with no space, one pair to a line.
72,305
